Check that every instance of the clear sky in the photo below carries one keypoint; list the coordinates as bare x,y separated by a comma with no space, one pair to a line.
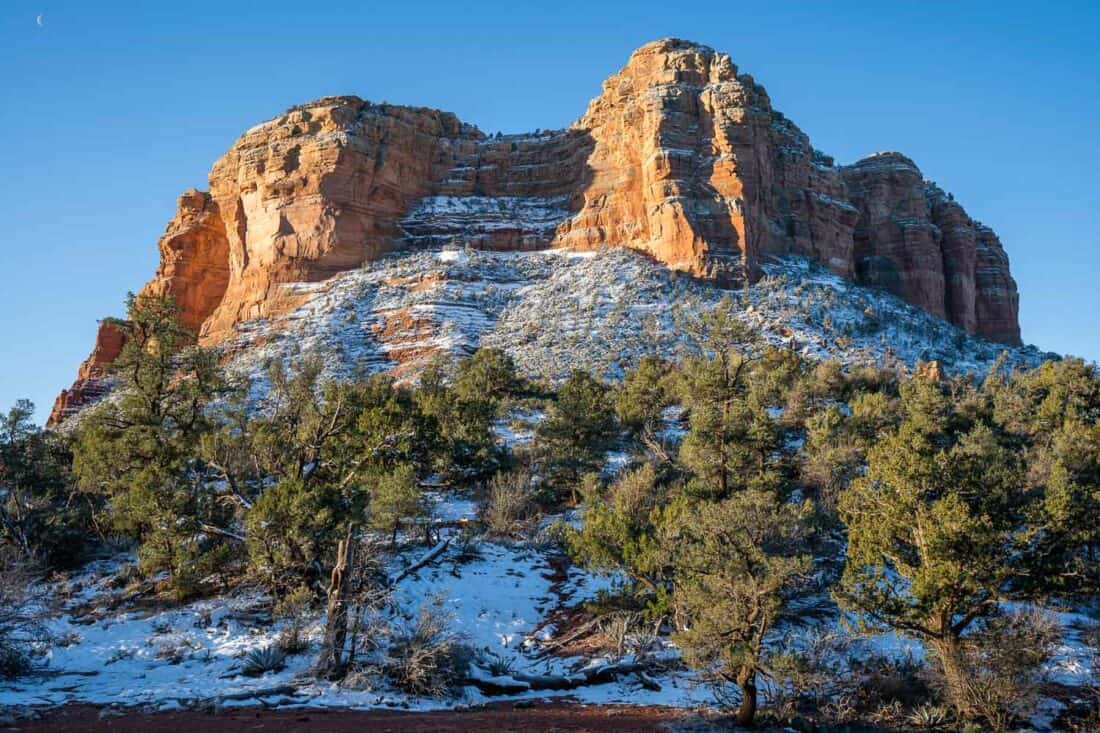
108,110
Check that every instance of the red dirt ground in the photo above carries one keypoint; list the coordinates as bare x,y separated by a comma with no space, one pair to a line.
504,718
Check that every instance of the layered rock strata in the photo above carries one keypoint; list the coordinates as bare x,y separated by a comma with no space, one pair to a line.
681,157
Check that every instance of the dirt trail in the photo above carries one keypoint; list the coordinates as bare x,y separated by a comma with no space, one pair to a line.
503,718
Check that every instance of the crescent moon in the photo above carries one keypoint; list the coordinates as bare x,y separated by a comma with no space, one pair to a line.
40,20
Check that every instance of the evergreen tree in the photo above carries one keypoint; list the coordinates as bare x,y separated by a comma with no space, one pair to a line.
40,517
641,398
740,562
624,531
140,450
463,420
341,453
395,496
948,523
487,375
731,437
578,430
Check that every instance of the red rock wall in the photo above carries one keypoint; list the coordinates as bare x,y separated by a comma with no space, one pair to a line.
93,377
681,157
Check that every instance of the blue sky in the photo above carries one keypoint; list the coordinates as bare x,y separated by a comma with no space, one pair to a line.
110,109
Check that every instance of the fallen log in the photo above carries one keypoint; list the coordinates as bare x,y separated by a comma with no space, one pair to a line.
549,646
432,555
262,692
520,682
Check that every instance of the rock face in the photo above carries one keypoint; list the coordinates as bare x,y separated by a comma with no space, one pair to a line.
93,379
194,259
681,157
917,242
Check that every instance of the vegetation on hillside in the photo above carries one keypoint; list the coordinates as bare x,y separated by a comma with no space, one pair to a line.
753,486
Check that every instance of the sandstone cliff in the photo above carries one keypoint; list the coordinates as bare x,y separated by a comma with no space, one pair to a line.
93,379
681,157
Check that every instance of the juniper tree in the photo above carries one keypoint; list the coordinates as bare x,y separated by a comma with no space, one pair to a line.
949,522
578,430
140,450
395,496
641,398
625,529
333,449
465,448
731,436
739,564
836,445
487,375
40,516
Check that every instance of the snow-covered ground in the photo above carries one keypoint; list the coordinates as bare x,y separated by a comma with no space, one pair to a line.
166,656
499,599
557,310
553,311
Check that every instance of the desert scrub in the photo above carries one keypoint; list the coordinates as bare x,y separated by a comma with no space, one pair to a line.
294,610
509,505
426,657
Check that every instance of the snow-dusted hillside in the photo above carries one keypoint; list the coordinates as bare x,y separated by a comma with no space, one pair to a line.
553,311
558,310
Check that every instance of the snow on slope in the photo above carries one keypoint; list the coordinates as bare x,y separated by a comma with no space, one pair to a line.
167,657
557,310
554,311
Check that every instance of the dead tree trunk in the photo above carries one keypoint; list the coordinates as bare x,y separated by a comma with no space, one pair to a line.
331,664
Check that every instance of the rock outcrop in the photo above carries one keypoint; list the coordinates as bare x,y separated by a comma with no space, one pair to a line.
915,241
93,379
681,157
194,259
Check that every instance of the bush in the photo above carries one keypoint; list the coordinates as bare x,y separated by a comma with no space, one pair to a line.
23,612
14,659
395,496
510,505
1003,661
426,658
294,608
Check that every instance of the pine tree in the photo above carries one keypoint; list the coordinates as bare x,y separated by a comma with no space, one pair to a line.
641,398
578,430
487,375
40,517
625,530
950,522
463,421
740,562
731,436
395,496
141,450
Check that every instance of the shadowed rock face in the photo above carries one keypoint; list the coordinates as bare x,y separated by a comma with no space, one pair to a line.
914,240
681,157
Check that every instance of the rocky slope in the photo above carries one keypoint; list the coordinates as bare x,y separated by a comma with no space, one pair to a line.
681,157
559,310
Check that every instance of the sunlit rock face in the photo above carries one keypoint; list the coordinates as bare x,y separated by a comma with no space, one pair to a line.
681,157
93,379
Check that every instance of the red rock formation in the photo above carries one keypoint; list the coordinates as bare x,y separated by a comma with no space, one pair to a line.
194,259
692,165
917,242
93,378
681,157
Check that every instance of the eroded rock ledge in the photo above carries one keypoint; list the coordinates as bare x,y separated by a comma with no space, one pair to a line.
681,156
